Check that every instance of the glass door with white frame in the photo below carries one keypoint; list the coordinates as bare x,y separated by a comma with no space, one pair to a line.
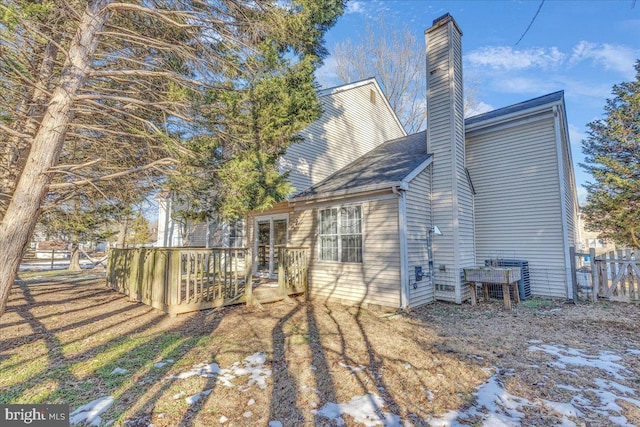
271,232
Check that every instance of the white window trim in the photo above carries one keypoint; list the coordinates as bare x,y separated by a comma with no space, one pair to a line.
319,242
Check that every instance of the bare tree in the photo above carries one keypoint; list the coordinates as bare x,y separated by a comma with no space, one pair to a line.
397,59
93,91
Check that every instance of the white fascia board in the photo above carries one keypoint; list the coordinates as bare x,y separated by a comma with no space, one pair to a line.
563,205
422,166
518,115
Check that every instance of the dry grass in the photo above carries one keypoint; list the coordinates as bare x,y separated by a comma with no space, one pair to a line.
63,336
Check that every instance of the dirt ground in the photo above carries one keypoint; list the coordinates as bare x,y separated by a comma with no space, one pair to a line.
66,338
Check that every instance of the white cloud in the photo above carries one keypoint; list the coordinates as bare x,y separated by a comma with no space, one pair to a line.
612,57
355,7
526,85
507,58
576,135
582,195
478,108
326,74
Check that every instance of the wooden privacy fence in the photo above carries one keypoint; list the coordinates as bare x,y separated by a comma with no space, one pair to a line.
179,280
616,275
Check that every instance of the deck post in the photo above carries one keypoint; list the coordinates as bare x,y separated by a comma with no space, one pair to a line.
281,279
248,276
594,274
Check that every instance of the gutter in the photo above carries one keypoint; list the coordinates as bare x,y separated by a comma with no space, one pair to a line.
350,192
509,117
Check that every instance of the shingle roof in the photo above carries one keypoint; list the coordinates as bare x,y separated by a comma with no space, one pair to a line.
389,163
532,103
394,160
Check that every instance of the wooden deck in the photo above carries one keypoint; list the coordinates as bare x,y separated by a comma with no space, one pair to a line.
180,280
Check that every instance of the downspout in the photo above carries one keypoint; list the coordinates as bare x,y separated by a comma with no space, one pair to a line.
404,257
432,273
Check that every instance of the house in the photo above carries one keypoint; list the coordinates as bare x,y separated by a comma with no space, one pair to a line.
369,196
591,239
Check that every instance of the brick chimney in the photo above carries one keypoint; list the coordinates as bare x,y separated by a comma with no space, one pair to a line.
451,195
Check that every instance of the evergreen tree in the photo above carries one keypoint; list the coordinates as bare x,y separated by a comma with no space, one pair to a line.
97,90
612,152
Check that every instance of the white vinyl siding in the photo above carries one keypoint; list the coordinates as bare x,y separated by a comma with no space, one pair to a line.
374,281
517,204
350,126
451,199
418,224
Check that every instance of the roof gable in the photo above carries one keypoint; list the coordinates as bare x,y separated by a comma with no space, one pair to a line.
389,164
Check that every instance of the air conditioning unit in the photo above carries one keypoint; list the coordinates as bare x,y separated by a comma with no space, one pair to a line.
524,284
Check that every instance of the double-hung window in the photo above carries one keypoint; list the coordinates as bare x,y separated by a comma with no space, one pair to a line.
340,232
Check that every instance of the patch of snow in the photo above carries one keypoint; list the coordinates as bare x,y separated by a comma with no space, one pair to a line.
569,356
163,363
535,341
565,409
275,424
365,409
223,419
407,365
496,407
193,399
313,368
178,395
118,371
247,414
252,366
251,402
90,412
633,352
352,368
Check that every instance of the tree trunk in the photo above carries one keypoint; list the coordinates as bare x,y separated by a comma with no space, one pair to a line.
74,259
23,210
122,233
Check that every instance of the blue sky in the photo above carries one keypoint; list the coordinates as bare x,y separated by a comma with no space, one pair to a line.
581,47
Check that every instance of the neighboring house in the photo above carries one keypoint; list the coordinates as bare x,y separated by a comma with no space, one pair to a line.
499,184
213,233
591,239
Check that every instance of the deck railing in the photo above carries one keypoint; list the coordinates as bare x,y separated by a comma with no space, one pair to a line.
293,270
179,280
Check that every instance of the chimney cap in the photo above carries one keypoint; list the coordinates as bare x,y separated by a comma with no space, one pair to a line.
443,20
